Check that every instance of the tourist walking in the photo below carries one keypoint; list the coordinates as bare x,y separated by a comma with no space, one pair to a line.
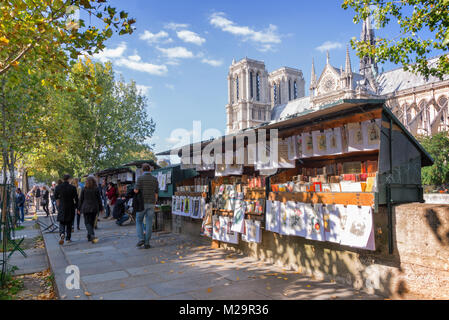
90,206
148,187
37,198
52,197
20,204
76,184
45,200
111,194
67,202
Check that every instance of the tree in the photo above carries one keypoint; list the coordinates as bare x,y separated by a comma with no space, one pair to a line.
409,49
438,147
42,29
103,123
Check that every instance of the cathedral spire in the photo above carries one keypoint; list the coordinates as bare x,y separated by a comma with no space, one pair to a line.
368,65
313,76
348,67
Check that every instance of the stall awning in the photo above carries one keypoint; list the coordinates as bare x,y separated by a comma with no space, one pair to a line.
338,109
139,163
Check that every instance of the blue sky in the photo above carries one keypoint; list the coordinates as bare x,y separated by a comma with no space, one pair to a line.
180,53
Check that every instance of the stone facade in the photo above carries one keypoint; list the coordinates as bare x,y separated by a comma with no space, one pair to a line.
256,96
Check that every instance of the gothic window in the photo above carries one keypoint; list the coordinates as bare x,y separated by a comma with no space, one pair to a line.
237,87
279,93
254,114
295,90
275,96
260,115
289,90
251,84
258,87
263,115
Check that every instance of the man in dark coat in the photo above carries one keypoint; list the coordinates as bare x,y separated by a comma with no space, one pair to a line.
67,201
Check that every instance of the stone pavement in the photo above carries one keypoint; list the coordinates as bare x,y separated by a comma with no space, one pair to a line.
176,267
36,259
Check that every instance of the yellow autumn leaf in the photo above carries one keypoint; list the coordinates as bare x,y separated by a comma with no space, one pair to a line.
87,293
162,261
4,40
209,290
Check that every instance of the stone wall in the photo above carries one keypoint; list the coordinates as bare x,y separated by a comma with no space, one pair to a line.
419,266
436,198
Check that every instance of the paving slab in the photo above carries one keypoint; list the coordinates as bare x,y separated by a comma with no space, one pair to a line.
177,267
138,293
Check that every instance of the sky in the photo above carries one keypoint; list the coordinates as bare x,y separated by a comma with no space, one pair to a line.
181,50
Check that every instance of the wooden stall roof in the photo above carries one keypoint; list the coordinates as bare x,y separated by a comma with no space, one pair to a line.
115,170
139,163
342,109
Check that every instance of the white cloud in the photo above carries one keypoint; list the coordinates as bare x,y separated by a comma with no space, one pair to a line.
176,53
175,26
160,37
143,89
109,54
135,57
133,62
329,45
214,63
173,140
265,39
150,68
191,37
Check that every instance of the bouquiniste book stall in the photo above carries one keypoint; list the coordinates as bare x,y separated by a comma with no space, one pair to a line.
336,167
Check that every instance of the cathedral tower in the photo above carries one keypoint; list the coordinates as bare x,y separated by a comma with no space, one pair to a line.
248,96
286,84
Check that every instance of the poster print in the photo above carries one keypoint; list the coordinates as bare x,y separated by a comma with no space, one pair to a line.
174,204
292,154
239,216
298,141
216,228
286,210
319,143
355,137
371,134
297,220
253,232
314,222
333,141
196,208
357,226
206,226
283,155
332,222
307,144
272,216
226,233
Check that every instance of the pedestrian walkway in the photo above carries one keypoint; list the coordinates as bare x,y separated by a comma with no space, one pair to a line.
176,267
36,259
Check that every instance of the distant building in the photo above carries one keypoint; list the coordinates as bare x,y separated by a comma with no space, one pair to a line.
256,96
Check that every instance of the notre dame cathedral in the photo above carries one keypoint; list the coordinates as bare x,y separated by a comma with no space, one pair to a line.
256,96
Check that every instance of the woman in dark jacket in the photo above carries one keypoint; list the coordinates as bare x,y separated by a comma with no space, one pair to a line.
45,200
90,206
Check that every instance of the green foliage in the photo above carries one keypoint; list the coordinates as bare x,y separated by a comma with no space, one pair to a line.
438,148
44,29
95,122
408,48
11,286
